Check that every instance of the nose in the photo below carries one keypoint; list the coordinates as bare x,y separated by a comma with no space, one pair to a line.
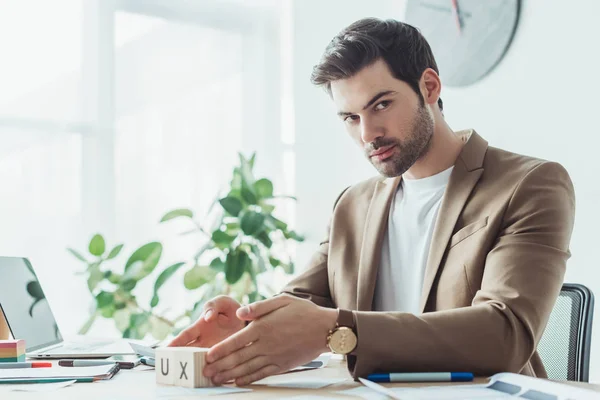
369,131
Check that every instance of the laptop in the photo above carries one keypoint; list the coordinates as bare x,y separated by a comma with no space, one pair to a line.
30,317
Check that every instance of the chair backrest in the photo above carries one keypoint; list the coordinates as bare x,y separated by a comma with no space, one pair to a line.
565,344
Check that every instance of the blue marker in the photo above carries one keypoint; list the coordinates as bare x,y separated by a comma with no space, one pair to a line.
422,377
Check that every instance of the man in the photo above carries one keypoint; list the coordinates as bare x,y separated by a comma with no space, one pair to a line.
451,261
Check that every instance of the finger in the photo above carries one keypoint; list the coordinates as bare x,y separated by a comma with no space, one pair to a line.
187,335
265,371
233,360
251,366
260,308
233,343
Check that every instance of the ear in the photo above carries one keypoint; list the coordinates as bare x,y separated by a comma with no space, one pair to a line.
431,86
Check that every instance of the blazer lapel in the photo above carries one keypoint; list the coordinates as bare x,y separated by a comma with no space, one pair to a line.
370,253
467,172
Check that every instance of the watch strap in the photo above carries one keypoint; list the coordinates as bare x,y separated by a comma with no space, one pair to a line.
346,318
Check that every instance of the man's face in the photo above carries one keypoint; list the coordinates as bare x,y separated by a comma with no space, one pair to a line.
385,116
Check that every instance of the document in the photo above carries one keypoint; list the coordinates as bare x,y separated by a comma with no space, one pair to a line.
501,386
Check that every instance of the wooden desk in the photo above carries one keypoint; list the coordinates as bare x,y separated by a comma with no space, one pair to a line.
140,384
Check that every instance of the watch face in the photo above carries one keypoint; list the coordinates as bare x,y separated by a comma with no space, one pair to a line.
343,340
468,37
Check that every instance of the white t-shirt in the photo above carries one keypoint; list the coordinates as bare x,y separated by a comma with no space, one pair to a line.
413,214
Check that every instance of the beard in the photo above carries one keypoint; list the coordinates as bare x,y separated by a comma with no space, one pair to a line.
407,151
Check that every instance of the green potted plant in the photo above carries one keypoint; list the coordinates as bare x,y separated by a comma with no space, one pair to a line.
246,241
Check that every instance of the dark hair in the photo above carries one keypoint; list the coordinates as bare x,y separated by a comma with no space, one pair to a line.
401,46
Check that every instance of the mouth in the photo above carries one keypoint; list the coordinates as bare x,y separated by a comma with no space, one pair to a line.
383,153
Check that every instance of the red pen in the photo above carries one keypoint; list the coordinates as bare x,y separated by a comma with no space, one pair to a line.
25,365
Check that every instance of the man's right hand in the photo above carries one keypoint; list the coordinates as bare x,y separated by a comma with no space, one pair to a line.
217,322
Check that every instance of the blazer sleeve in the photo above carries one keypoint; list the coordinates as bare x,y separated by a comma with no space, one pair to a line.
500,331
313,283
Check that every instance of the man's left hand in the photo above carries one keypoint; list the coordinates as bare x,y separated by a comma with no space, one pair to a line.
285,332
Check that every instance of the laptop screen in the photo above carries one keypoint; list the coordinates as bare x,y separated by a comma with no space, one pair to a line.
25,306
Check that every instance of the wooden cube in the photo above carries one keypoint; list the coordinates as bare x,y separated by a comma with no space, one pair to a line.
182,366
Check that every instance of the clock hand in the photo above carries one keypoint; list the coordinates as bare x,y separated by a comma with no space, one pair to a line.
456,15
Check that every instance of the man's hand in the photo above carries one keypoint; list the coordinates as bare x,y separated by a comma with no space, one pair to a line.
285,332
217,322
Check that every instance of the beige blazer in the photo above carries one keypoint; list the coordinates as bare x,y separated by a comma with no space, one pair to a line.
495,267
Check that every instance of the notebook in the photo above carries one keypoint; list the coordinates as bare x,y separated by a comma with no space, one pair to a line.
57,374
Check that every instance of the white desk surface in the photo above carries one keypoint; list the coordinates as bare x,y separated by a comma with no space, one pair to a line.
139,383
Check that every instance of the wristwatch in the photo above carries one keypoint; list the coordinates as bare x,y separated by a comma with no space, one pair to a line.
342,339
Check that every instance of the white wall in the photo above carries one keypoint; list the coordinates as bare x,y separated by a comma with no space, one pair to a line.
542,100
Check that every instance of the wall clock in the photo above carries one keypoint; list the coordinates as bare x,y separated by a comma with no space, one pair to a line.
468,37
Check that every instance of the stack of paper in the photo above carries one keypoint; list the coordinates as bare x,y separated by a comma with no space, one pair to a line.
12,350
58,374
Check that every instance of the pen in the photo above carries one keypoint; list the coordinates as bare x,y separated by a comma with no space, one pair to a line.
84,363
148,361
422,377
25,365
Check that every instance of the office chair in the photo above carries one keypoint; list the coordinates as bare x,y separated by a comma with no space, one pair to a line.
565,344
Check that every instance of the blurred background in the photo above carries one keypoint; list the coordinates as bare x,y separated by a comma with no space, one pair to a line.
114,112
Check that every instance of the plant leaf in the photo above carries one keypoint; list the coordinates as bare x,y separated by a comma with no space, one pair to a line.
264,238
246,172
248,196
274,261
266,208
197,277
180,212
138,319
162,278
222,239
279,224
263,188
159,328
236,181
149,254
232,205
108,311
260,260
33,305
166,274
77,255
217,264
95,277
288,268
236,264
114,252
121,318
97,245
35,290
293,235
128,284
104,299
113,278
252,222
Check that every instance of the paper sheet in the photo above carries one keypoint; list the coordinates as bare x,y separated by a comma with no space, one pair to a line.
36,387
54,372
363,392
501,386
170,391
293,382
306,397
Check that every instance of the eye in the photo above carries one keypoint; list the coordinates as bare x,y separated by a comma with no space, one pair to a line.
383,105
350,119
